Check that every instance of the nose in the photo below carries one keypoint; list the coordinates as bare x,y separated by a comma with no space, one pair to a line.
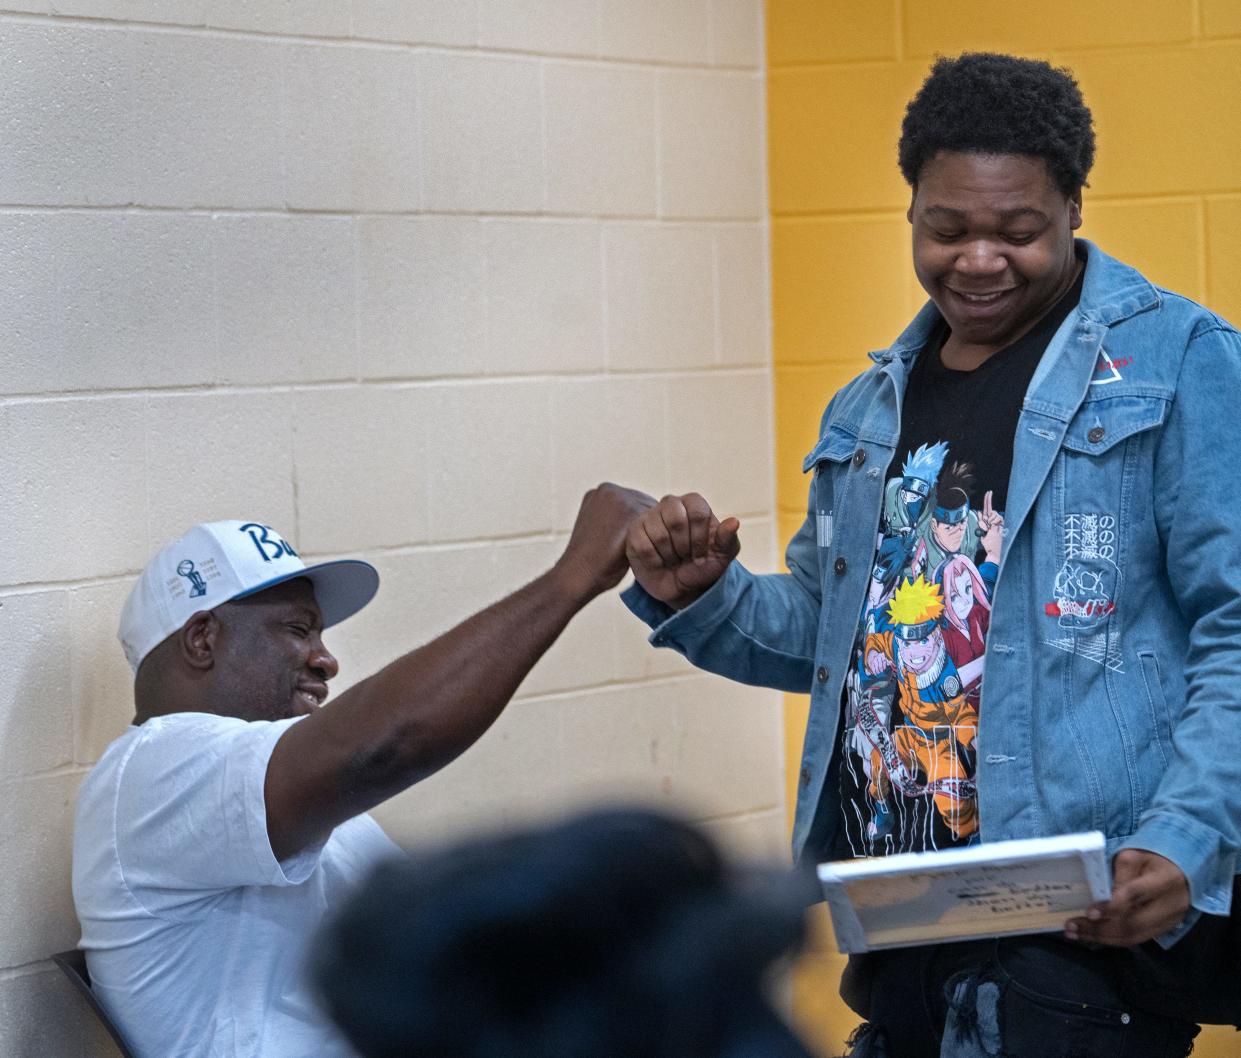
322,661
981,258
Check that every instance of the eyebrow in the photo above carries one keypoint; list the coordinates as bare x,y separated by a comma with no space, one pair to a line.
312,617
1005,215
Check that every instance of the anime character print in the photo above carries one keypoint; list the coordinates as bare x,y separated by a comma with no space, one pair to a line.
905,498
967,617
913,691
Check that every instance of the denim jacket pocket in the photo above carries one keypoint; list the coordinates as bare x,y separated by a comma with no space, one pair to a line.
1102,423
1095,479
837,445
1161,720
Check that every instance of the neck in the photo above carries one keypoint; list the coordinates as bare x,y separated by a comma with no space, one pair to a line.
143,713
166,699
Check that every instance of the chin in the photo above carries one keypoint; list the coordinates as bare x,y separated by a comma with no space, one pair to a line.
286,709
969,331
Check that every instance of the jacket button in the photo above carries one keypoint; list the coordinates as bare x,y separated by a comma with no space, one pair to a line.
821,675
859,457
840,566
1095,435
805,776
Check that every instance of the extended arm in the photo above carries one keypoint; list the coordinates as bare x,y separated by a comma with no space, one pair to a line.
421,711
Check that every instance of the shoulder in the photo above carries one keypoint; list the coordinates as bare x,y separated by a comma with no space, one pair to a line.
188,732
114,763
188,725
1187,345
181,746
1123,299
1203,325
1158,343
1184,315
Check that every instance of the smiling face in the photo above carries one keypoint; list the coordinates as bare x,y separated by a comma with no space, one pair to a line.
270,660
918,654
992,246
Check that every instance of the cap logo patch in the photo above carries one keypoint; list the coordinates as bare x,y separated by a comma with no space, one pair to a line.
198,586
270,544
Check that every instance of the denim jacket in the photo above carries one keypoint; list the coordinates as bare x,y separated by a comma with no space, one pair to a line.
1112,693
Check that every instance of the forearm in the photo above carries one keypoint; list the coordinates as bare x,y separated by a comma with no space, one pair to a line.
753,629
437,700
416,714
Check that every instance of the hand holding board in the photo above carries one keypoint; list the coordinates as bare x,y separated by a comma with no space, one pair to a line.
1002,888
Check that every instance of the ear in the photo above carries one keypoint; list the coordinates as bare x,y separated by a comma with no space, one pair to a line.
197,640
909,213
1075,210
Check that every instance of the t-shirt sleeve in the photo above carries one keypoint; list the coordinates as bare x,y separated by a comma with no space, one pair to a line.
190,814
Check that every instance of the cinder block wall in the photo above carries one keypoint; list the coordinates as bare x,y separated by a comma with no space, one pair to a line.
1162,78
403,279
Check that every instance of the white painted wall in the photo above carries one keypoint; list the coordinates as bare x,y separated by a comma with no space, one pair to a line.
402,278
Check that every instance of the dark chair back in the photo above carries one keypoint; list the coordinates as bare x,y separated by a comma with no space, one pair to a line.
73,964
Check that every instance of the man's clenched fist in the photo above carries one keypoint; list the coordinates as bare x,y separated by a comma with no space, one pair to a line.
678,548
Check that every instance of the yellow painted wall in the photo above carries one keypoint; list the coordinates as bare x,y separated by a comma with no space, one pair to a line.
1163,78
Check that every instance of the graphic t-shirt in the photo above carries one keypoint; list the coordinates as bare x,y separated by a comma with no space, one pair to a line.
907,755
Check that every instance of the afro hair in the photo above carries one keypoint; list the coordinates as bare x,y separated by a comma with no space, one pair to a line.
984,103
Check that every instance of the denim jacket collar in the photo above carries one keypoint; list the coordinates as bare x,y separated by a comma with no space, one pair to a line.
1111,292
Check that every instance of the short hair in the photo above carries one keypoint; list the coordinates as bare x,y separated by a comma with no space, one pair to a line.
617,934
985,103
926,462
955,478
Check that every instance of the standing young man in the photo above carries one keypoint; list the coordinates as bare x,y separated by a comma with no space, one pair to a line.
1045,451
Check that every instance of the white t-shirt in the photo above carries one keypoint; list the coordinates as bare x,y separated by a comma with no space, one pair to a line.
195,934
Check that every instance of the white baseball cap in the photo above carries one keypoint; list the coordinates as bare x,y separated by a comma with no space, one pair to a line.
218,561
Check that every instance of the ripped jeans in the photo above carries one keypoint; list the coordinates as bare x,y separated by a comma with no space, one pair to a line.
1018,997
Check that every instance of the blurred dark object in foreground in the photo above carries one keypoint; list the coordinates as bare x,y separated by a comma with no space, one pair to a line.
617,933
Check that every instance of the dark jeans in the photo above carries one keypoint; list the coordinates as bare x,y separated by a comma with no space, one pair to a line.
1019,997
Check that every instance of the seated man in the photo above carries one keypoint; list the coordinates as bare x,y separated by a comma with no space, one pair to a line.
213,835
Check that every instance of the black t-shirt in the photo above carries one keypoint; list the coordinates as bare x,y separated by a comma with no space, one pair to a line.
906,760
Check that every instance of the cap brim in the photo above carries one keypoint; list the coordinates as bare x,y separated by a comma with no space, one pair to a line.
342,587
